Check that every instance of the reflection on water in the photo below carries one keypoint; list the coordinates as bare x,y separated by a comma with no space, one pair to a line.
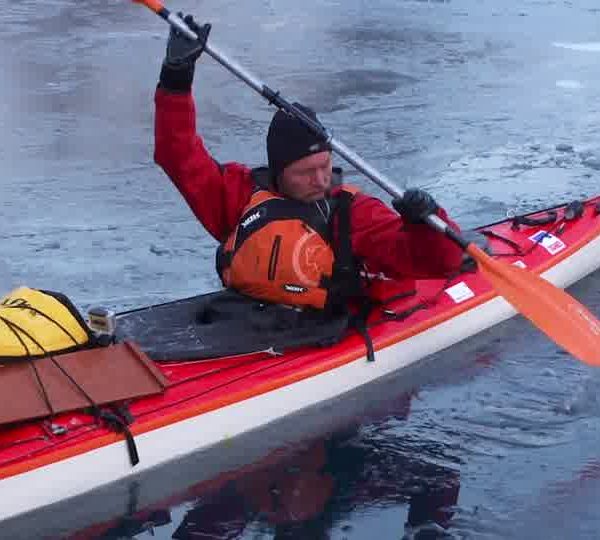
313,490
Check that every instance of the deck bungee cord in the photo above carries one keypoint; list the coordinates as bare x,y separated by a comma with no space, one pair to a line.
572,211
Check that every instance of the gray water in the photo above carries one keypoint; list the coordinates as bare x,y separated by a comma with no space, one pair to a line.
491,106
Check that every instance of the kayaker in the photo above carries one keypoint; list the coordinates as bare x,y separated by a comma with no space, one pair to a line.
288,234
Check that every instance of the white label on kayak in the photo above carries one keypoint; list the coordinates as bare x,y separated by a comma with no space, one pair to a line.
548,241
520,264
460,292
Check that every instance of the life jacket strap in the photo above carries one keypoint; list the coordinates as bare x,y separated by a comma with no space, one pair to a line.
346,282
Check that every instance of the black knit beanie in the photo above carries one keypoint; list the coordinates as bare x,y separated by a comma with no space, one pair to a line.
289,140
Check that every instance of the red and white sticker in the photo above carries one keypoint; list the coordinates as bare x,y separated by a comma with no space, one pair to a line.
548,241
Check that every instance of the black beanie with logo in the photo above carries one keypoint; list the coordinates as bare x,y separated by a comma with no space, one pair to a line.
289,140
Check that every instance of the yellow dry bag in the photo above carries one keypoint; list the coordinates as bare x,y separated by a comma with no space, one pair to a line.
36,323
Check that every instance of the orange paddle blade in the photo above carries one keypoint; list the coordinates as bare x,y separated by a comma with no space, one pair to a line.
154,5
556,313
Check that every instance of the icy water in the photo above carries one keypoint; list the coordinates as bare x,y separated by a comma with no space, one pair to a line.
492,106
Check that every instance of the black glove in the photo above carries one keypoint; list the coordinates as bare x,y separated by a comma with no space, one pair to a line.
414,205
177,71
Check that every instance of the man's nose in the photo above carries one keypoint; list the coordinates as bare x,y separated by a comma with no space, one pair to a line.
320,178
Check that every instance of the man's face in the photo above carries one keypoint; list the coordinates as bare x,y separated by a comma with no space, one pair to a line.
308,179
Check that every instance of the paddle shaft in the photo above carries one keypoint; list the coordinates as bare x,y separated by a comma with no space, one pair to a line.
275,98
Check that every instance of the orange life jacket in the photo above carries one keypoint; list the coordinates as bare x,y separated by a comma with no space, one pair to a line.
281,251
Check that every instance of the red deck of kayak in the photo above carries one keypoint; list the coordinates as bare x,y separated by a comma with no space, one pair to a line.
203,386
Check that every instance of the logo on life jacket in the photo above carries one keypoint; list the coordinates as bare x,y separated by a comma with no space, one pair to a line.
255,216
296,289
309,250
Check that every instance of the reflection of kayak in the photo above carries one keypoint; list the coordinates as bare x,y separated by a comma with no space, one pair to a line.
294,488
209,402
298,489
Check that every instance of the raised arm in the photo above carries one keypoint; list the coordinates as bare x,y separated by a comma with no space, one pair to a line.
216,193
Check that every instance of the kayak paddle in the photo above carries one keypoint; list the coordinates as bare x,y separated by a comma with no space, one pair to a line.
556,313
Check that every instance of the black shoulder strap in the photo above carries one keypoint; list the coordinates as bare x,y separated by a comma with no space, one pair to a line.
344,259
345,281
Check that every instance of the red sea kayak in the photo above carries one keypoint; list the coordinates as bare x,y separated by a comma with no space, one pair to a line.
216,390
